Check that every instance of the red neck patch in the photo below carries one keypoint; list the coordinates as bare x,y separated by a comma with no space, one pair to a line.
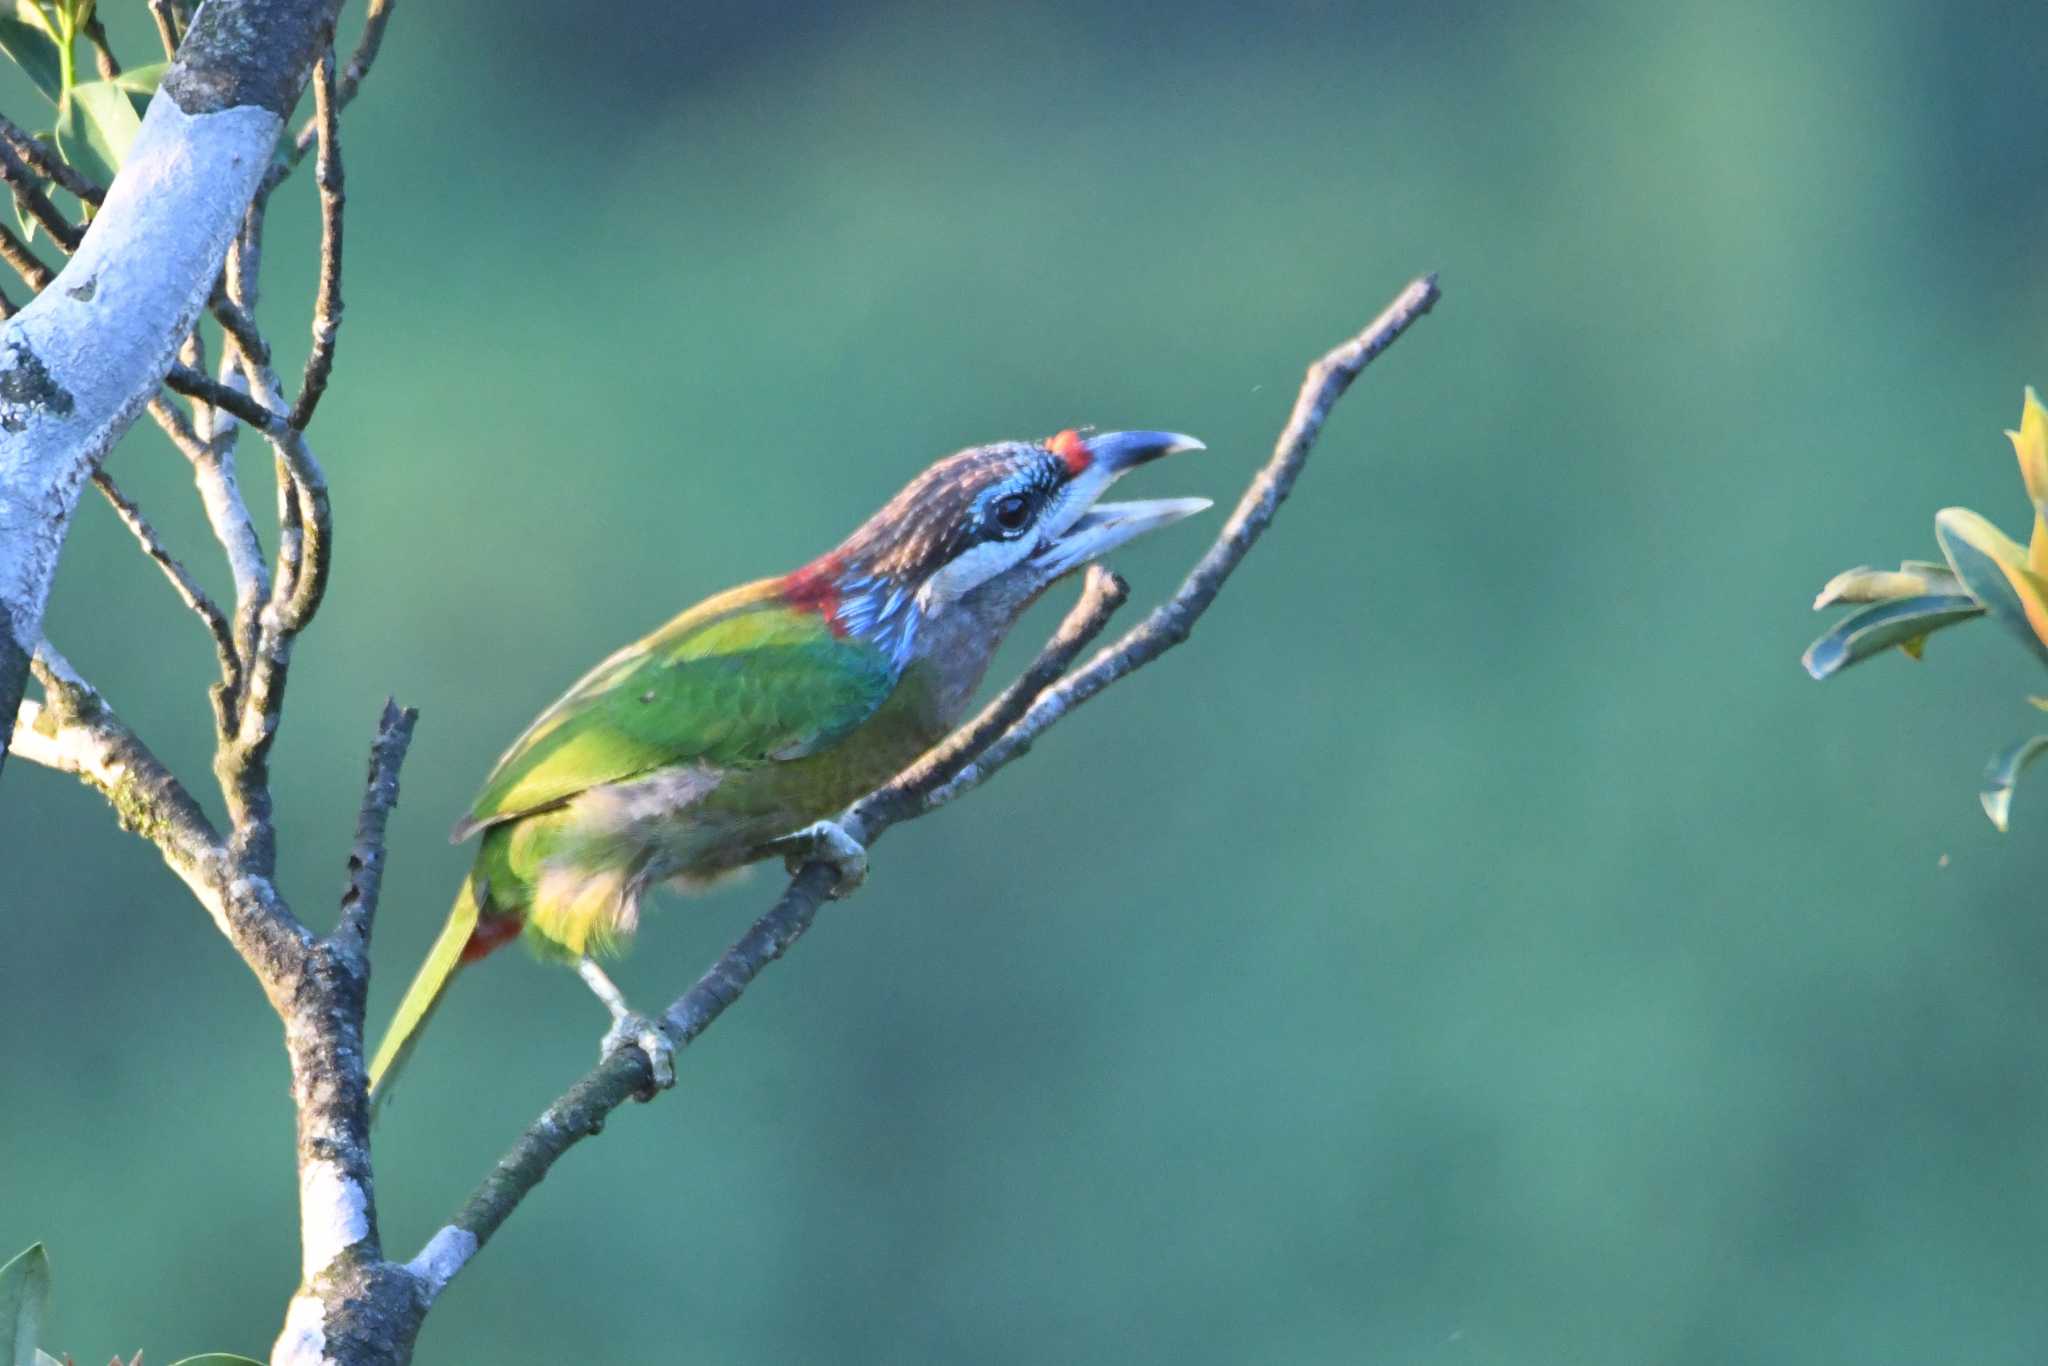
815,588
1072,451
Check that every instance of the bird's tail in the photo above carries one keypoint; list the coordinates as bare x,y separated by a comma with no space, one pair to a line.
467,935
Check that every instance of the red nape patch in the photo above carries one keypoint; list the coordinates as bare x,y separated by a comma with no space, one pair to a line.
815,588
1072,451
492,932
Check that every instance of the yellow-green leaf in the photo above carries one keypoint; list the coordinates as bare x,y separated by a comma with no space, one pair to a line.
96,125
1994,570
2030,444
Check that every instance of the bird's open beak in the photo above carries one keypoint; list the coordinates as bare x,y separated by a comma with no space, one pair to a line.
1105,526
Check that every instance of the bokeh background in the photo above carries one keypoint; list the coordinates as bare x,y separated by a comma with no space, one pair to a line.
1481,944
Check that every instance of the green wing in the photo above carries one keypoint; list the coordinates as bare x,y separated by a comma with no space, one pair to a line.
741,680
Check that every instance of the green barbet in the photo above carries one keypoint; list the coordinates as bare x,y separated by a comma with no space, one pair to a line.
735,731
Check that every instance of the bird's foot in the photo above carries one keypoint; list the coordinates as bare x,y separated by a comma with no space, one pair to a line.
633,1030
630,1029
827,842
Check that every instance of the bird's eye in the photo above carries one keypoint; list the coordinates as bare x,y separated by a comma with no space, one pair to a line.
1011,513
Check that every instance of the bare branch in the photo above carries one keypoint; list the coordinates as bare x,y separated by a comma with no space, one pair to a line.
366,859
1171,622
909,793
170,25
102,51
17,254
327,304
189,591
175,425
185,380
29,195
47,162
241,328
74,731
368,45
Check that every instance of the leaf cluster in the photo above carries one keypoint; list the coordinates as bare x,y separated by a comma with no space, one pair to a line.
1985,573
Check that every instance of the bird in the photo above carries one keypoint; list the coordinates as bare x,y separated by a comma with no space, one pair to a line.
735,731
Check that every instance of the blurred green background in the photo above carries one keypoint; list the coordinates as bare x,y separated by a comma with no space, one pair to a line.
1480,944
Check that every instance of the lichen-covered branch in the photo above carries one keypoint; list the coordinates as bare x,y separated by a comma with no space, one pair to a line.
366,856
333,197
1003,732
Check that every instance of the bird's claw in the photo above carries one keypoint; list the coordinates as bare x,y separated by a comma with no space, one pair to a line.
827,842
634,1030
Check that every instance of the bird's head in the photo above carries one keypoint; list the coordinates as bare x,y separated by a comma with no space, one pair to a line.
988,530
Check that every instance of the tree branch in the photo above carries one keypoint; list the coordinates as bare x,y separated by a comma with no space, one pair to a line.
1002,733
333,196
81,361
366,859
188,589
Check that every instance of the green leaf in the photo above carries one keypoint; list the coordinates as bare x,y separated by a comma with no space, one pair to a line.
1994,571
1872,631
217,1359
33,48
24,1295
2002,774
112,116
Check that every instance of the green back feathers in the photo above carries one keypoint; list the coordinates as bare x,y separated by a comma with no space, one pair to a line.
737,681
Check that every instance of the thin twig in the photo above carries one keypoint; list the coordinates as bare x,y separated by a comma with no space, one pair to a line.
188,589
907,794
192,355
333,197
171,418
351,78
16,253
193,384
29,195
102,51
1171,622
295,590
169,26
366,858
1000,734
46,161
240,327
